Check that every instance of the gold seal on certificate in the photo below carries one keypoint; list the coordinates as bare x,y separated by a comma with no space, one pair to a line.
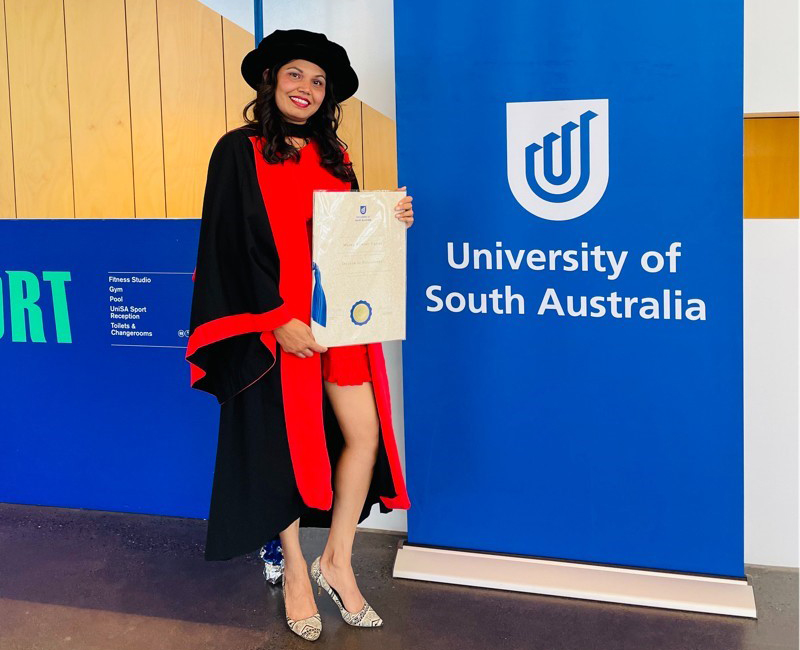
359,268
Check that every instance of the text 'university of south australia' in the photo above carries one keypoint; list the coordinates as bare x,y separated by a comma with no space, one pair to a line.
661,303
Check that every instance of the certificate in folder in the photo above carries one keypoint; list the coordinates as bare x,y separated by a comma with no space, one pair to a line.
359,268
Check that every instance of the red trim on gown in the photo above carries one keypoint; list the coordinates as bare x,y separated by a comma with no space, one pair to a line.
286,189
227,326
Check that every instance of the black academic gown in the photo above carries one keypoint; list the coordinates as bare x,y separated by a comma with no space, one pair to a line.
260,485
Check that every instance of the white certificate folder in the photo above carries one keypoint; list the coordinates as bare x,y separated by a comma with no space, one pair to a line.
359,268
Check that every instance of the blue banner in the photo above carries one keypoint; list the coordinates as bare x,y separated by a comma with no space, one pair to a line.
97,410
573,366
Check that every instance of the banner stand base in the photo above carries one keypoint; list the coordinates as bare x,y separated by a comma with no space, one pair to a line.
650,588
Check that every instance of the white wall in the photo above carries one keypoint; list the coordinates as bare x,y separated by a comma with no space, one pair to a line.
771,68
771,71
365,29
771,385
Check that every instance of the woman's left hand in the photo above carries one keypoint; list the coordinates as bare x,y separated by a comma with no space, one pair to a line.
403,209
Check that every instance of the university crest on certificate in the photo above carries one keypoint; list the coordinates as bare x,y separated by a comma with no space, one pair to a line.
359,268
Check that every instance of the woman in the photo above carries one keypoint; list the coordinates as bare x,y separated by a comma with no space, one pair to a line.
305,432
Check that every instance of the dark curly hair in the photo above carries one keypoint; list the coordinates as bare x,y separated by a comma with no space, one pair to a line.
268,121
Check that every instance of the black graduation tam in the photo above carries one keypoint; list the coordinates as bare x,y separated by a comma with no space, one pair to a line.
286,44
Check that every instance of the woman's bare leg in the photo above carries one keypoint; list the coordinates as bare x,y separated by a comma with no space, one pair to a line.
357,414
299,595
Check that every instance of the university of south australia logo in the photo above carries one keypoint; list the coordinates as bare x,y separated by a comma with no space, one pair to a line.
557,156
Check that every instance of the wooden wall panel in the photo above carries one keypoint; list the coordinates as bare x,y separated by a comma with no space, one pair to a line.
37,69
152,86
97,69
380,150
350,133
193,99
145,92
237,42
8,206
771,167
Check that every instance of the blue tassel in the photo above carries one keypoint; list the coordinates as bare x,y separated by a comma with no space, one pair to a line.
319,308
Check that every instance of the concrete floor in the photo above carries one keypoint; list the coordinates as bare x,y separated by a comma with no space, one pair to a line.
89,580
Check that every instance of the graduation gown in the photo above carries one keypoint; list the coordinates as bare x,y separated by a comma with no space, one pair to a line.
279,439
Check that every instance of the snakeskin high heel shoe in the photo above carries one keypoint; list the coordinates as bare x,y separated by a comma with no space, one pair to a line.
308,628
365,617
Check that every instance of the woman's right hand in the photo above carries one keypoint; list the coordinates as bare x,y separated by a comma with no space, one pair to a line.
296,337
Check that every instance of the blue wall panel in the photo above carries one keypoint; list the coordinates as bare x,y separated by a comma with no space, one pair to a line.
90,419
